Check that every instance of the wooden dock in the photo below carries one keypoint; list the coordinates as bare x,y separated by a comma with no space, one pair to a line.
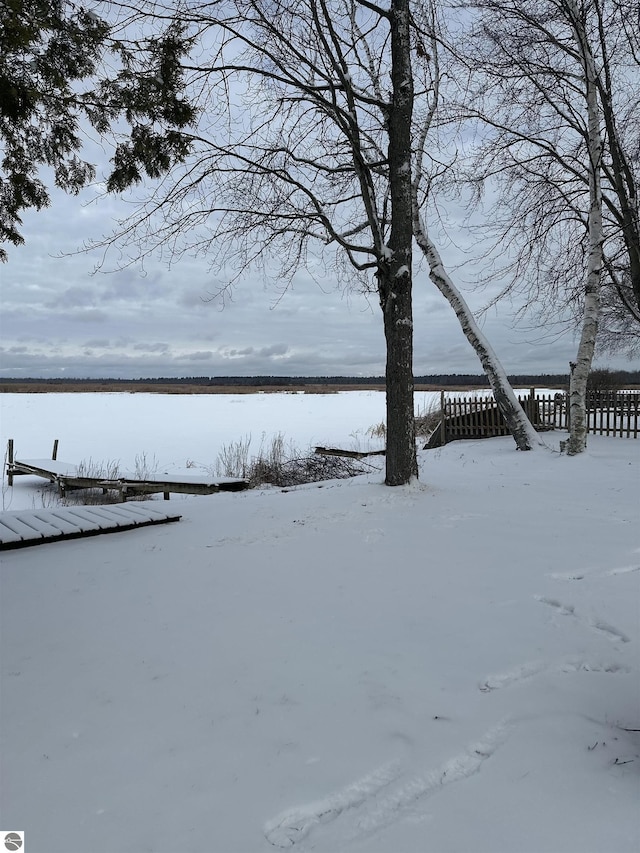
22,528
68,476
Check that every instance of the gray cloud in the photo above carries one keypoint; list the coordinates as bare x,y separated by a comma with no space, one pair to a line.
72,297
162,322
158,347
87,315
201,355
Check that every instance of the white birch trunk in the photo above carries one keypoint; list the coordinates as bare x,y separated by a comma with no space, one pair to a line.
525,436
578,425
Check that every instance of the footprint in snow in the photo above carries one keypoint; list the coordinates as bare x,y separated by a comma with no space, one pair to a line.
579,575
525,671
610,631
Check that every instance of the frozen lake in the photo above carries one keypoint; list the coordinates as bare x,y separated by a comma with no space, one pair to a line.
181,429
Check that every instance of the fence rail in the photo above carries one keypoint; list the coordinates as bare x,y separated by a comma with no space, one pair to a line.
608,413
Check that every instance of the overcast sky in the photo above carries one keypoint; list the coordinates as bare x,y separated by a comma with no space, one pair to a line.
58,319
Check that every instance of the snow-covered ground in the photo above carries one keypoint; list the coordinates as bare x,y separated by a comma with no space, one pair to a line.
449,666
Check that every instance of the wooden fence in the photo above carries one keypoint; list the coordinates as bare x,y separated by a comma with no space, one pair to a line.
609,413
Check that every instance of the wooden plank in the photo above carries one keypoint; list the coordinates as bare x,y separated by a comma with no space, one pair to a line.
351,454
31,525
57,519
84,518
8,534
133,510
47,468
20,529
185,479
151,488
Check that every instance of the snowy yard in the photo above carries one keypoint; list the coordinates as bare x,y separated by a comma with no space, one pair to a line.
450,667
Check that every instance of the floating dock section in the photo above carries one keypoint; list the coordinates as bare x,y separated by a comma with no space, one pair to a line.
22,528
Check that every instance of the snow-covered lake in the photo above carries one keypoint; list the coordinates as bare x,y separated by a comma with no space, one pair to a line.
182,429
447,667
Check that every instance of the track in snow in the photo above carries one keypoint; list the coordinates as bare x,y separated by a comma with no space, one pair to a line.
382,797
610,631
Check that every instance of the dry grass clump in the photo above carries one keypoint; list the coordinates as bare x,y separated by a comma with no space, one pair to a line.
428,419
377,431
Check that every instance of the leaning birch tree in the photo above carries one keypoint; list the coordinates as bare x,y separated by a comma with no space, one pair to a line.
556,92
430,77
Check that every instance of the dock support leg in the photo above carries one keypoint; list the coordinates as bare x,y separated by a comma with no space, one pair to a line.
10,462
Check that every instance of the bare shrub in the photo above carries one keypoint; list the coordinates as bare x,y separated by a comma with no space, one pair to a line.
317,467
282,464
145,468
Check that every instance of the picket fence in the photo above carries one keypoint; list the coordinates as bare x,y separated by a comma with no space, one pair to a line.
614,413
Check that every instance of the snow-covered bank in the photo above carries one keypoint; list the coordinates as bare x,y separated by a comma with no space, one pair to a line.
451,666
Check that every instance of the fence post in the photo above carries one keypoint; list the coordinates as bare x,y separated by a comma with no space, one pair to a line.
443,426
533,414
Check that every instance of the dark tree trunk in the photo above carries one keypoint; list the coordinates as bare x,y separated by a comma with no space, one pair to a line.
395,269
401,462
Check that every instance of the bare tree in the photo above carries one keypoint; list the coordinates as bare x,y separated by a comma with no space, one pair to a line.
299,148
559,142
619,328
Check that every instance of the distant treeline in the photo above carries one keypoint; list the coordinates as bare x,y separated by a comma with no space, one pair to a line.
616,378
